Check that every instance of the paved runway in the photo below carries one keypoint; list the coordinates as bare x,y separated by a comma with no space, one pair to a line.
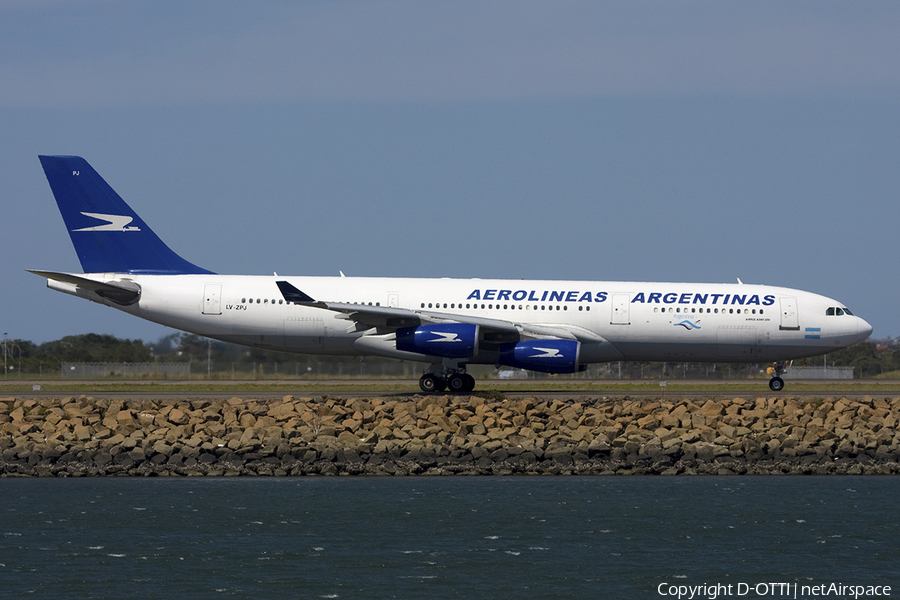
599,389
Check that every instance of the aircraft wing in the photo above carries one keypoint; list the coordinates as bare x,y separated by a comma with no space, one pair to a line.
386,319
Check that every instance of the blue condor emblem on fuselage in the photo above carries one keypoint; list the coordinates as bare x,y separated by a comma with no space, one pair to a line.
640,297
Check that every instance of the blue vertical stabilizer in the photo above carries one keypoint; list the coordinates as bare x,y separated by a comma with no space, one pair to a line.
109,237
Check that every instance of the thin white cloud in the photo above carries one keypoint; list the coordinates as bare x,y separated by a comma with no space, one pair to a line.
463,51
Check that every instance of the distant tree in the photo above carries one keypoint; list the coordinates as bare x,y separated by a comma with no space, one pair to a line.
92,347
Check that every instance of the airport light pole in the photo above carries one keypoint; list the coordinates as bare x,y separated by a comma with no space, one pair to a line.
5,369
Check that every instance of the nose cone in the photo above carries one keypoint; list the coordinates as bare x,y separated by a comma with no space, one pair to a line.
863,329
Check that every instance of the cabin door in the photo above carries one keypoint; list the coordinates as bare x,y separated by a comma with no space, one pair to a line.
212,299
620,305
790,319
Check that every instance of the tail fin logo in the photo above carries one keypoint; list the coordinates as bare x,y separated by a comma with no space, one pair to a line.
113,223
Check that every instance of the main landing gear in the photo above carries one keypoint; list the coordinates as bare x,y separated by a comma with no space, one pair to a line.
776,384
459,382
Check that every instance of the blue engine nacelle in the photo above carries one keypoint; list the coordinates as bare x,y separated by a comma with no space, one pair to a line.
450,340
547,356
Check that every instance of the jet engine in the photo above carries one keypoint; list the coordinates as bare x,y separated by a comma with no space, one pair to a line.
449,340
547,356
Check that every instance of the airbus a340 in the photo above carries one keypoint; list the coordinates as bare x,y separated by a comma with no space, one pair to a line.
447,324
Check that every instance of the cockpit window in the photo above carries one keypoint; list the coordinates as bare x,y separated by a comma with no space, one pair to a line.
847,311
830,311
839,312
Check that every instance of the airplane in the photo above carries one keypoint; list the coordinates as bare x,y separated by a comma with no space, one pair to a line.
544,325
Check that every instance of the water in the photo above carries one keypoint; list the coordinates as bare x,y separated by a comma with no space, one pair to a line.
455,537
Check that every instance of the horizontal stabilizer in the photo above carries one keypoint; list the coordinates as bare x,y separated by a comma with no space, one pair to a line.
120,291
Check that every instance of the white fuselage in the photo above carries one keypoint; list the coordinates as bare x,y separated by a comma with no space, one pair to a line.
613,320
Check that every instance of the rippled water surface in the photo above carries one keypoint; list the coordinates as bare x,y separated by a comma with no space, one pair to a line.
455,537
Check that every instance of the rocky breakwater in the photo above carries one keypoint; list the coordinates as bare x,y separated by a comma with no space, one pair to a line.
447,435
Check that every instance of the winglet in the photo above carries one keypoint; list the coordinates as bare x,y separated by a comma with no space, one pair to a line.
292,294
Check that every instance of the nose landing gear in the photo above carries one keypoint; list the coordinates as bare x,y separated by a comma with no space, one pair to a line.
776,384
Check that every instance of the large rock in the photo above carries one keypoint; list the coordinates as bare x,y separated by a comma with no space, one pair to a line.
432,434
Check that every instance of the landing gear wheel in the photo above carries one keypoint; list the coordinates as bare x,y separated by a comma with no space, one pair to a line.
458,383
470,382
776,384
429,383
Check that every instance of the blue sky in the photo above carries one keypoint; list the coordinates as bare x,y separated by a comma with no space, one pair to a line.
653,141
